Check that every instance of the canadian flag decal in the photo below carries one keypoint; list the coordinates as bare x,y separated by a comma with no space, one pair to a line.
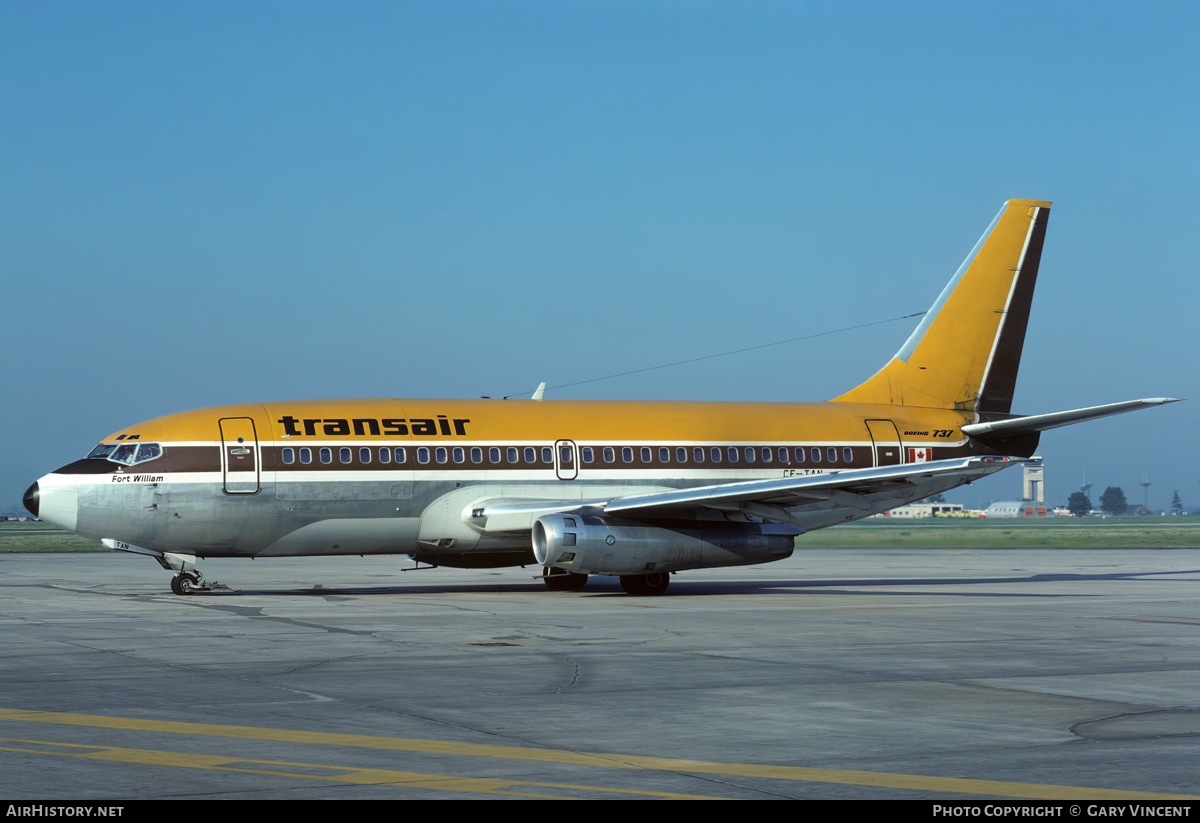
919,455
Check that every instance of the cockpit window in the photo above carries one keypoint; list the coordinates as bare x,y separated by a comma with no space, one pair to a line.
148,451
127,454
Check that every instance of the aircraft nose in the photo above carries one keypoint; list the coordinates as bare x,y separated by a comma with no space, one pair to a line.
32,499
54,503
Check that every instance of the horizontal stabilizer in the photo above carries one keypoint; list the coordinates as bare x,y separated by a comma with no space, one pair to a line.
1041,422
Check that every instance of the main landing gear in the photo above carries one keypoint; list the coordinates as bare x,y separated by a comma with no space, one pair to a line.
655,583
561,581
636,584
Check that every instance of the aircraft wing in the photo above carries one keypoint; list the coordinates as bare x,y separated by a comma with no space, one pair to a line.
850,488
768,499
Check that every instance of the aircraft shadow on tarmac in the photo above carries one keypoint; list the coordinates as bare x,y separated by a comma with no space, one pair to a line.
608,587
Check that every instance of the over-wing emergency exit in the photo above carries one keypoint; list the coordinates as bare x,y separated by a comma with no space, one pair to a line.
635,490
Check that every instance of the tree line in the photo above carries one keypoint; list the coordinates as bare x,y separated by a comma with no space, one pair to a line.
1112,503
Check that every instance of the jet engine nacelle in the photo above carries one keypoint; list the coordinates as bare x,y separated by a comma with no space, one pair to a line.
592,544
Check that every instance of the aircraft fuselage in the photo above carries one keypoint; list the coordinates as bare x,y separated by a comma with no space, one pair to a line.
261,479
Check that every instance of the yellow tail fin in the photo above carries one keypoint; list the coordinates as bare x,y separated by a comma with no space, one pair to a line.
967,349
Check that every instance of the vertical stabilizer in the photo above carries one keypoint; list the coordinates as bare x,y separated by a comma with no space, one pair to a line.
967,349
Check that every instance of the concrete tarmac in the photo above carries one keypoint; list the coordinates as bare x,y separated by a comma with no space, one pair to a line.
941,675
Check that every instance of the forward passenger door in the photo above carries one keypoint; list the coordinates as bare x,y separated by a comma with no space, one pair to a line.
240,458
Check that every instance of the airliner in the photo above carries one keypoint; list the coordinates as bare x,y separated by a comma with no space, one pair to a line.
635,490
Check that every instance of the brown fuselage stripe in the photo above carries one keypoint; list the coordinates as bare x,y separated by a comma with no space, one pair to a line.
200,459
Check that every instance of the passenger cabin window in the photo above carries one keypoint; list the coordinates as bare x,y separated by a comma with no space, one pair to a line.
848,455
364,456
715,454
627,454
493,455
800,455
816,455
586,454
344,455
664,455
530,454
610,454
423,454
385,455
831,455
459,454
547,454
476,455
681,455
289,456
512,455
402,455
326,455
698,454
645,455
306,455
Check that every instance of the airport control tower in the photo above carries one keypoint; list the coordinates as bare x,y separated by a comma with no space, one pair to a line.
1033,485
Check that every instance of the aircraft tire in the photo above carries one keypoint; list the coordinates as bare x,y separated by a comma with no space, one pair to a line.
651,584
569,582
184,583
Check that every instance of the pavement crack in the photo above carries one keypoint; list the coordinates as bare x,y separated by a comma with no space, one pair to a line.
573,680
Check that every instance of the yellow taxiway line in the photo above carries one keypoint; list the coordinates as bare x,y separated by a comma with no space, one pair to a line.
886,780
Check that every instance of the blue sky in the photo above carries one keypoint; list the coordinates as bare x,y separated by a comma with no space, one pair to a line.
226,202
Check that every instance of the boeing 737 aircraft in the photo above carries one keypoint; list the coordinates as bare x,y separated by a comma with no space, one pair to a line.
636,490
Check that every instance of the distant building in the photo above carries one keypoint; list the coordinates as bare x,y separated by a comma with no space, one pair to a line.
1017,508
927,510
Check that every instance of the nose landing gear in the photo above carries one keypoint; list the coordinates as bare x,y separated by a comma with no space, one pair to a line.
188,583
187,578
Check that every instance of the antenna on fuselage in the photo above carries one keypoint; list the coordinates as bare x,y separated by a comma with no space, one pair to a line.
539,391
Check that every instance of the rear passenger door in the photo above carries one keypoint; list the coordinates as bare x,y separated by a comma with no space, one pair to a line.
886,439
